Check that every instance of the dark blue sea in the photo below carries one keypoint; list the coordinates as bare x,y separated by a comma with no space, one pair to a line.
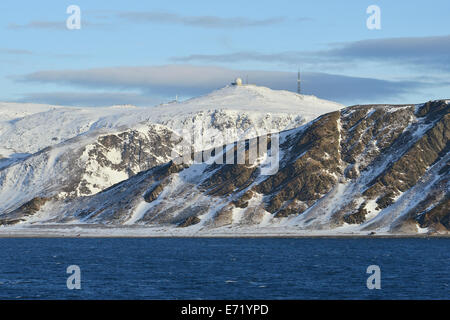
224,268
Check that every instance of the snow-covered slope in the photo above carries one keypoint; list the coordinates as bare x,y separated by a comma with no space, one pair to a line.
363,169
256,99
28,128
65,152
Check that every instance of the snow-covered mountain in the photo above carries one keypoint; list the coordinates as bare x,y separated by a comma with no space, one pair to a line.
29,128
357,170
66,152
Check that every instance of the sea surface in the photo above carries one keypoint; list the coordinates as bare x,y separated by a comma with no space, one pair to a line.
237,268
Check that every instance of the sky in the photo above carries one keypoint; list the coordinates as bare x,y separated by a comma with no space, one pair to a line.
147,52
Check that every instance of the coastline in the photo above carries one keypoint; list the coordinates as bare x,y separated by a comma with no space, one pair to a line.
102,231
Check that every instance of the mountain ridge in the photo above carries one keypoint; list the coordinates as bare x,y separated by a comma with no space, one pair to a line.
77,152
363,169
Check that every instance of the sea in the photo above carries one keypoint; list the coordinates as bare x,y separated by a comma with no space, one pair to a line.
224,268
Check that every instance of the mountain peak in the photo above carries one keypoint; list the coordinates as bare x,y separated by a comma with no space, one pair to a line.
257,98
244,98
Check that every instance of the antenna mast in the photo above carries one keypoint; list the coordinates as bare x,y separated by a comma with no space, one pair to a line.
298,82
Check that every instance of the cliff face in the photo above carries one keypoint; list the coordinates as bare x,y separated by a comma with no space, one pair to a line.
363,168
378,167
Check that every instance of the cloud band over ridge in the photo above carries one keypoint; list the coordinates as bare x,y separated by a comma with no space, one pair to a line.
148,82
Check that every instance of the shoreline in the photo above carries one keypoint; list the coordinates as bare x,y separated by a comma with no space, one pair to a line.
102,231
224,237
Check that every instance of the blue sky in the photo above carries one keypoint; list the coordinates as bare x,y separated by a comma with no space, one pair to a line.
146,52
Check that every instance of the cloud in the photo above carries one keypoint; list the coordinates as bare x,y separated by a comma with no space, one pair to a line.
289,57
394,47
413,51
49,25
430,51
358,90
188,80
167,79
198,21
209,22
15,51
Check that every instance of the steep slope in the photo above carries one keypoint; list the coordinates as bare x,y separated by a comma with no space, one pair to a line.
363,169
85,165
50,152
